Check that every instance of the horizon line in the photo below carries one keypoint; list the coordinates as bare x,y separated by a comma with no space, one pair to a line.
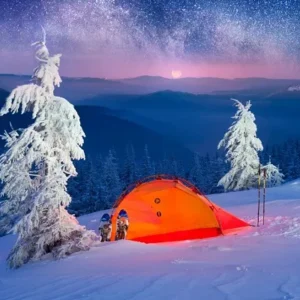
154,76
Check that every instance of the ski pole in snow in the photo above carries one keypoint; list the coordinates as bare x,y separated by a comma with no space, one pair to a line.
258,203
264,197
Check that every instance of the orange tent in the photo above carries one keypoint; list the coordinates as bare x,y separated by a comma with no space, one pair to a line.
164,209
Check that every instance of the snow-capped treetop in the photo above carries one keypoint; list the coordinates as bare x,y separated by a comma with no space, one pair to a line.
273,175
241,146
46,74
241,135
32,97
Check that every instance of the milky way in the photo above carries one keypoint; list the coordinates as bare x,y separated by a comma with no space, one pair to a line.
122,38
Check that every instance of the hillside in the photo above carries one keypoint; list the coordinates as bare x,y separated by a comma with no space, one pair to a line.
200,121
261,263
105,130
196,122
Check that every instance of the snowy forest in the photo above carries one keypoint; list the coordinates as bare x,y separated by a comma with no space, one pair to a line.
47,180
95,186
100,181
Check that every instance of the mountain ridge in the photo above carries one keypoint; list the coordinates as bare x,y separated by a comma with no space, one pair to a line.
78,88
105,130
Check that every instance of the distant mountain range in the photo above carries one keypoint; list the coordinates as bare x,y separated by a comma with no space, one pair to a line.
75,89
175,119
105,130
200,121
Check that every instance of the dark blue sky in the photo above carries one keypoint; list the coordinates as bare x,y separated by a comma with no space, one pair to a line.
132,37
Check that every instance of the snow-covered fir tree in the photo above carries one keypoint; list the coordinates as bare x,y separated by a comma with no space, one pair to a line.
86,191
292,163
37,165
112,187
216,170
164,166
98,166
206,163
175,168
76,189
287,156
196,175
241,145
130,172
92,190
147,168
273,175
98,184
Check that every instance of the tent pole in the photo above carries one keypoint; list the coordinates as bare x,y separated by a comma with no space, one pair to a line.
258,202
264,197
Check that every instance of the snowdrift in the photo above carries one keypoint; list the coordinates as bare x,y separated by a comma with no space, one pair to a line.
261,263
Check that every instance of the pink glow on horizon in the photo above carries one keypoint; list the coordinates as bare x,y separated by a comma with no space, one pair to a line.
118,66
230,71
123,67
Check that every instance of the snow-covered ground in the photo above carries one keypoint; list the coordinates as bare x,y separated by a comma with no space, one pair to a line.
261,263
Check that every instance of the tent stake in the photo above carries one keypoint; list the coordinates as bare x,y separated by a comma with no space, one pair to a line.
258,202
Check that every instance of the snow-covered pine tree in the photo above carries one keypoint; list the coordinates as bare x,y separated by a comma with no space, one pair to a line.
241,146
196,175
292,163
42,155
164,167
111,180
147,165
88,189
173,167
285,155
273,175
129,172
76,189
176,168
205,162
90,196
99,185
217,169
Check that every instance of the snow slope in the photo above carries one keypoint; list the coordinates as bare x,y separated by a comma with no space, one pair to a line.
260,263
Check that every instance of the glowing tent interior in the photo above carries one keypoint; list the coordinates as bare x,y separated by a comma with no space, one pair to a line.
164,209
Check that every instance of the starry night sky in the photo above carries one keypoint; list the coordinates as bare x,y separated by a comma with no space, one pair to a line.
127,38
